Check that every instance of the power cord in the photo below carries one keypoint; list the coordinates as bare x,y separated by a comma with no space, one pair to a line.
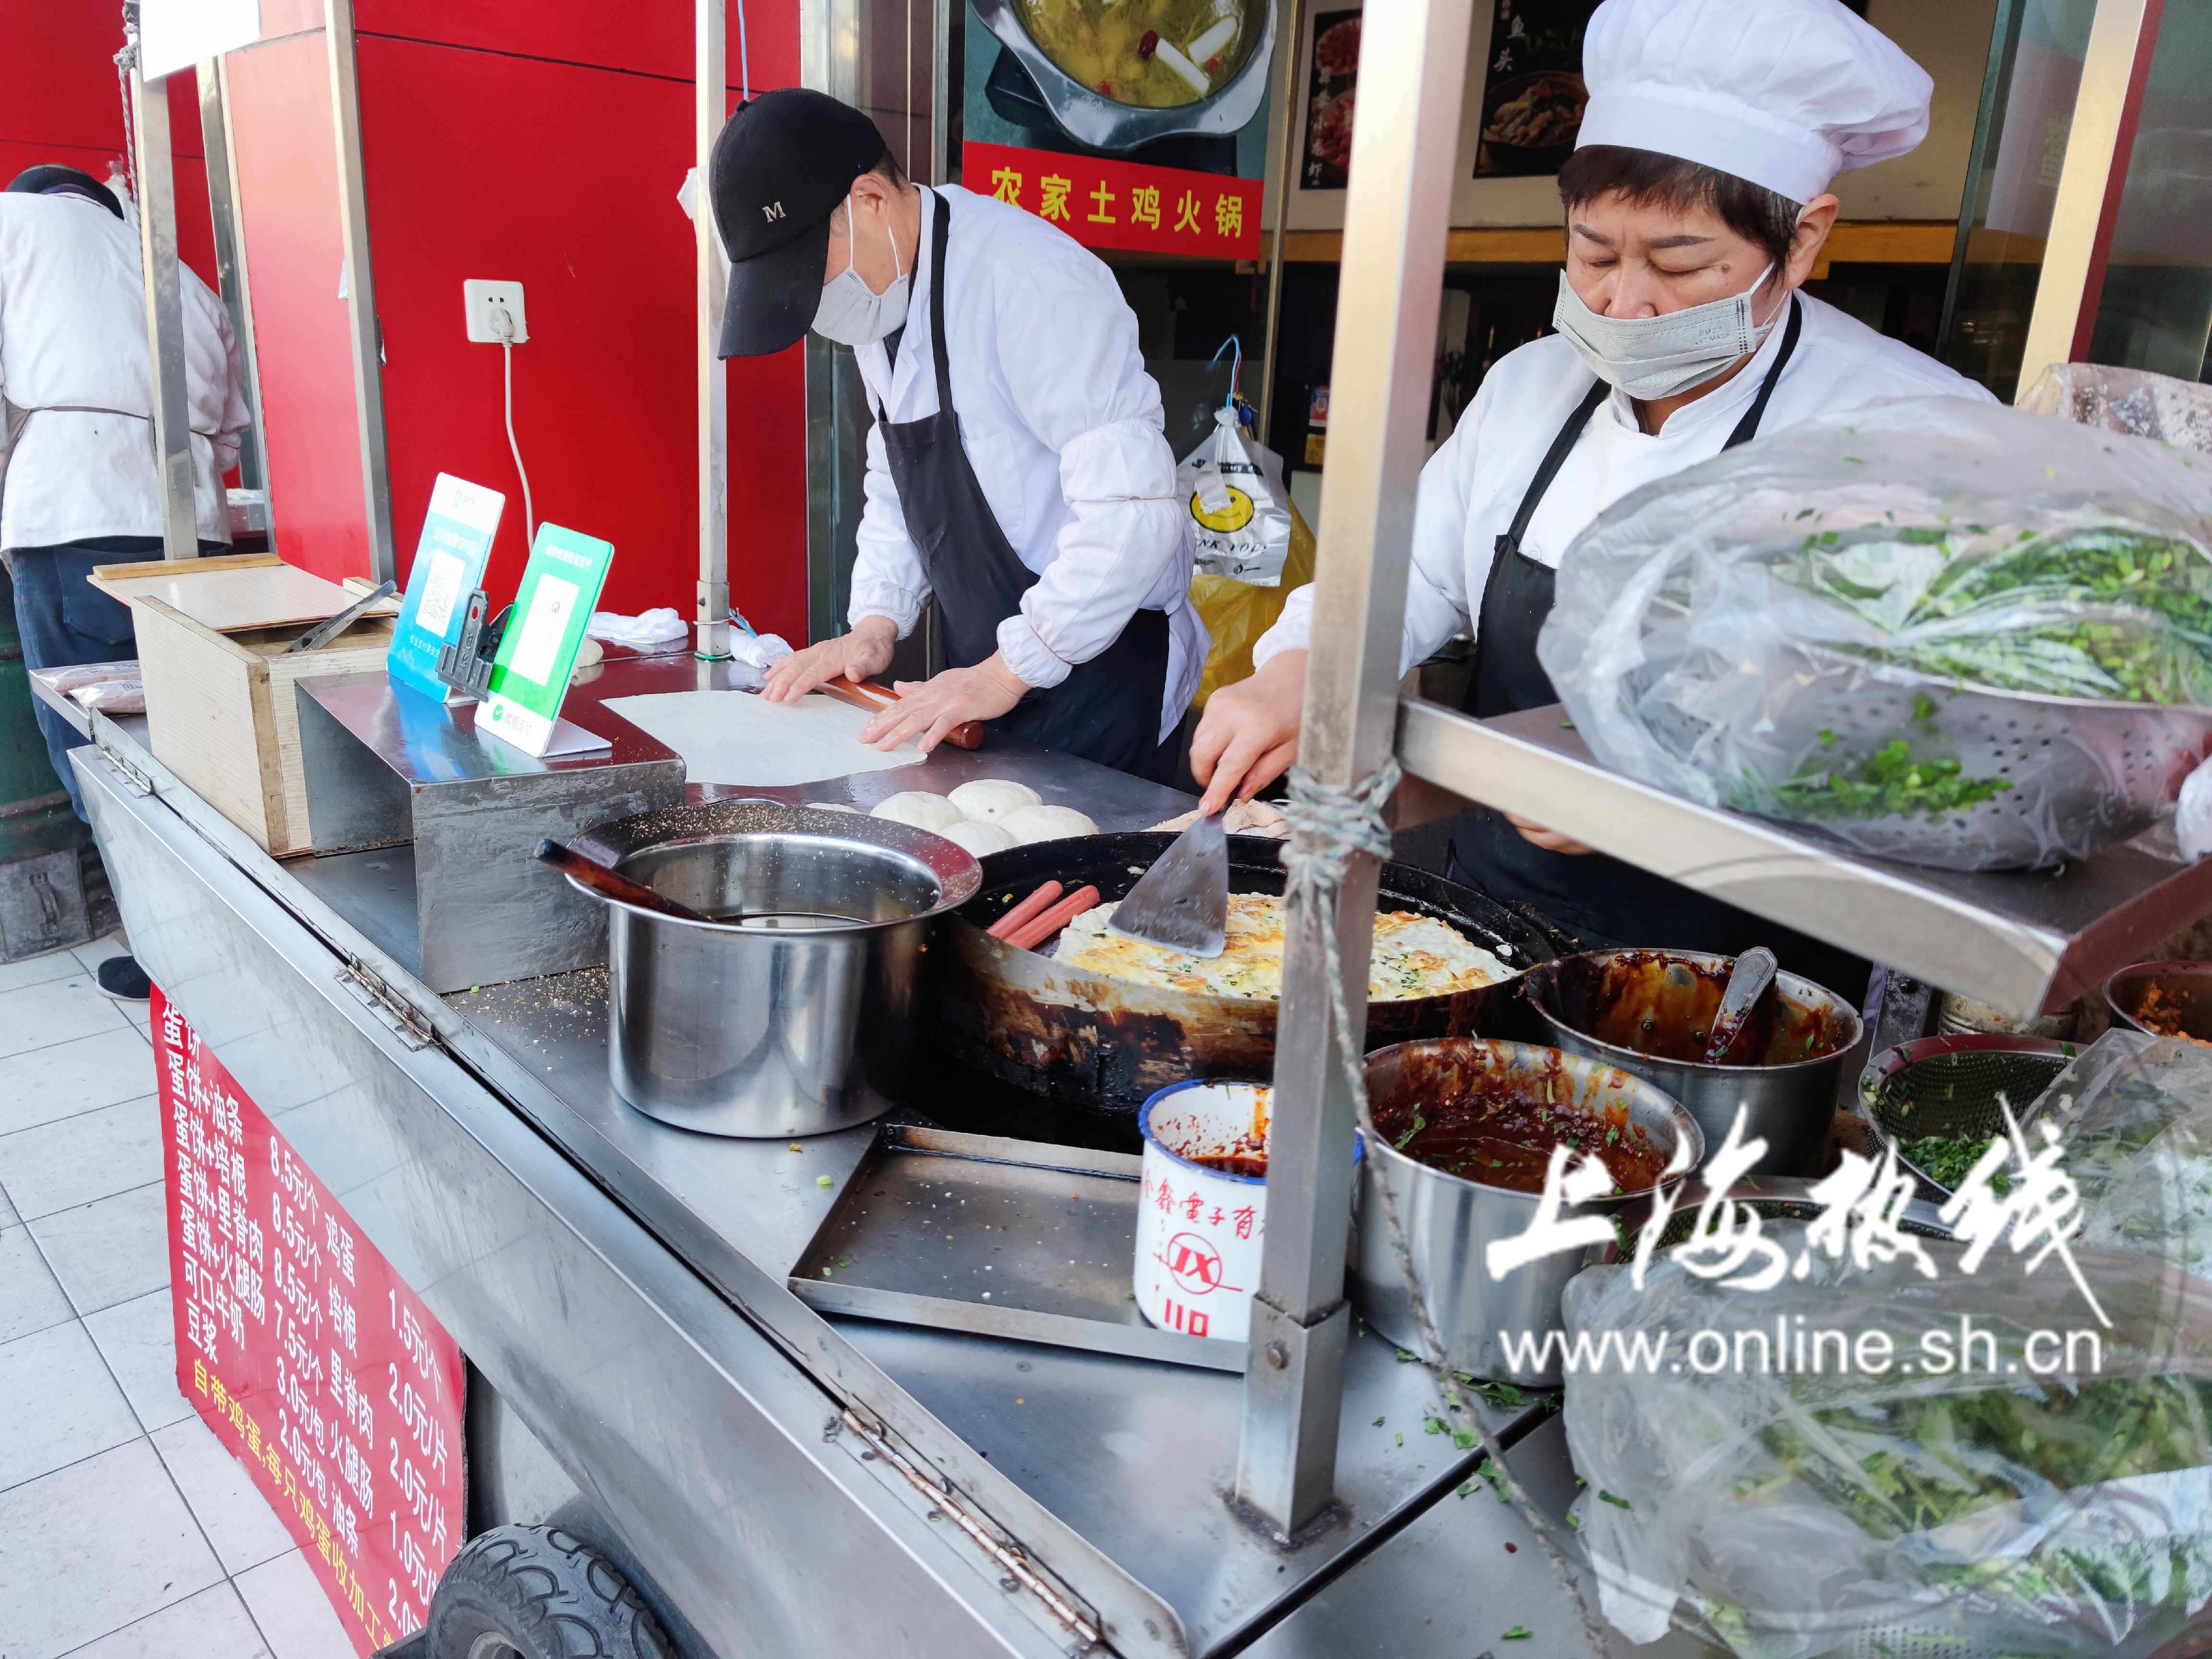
505,323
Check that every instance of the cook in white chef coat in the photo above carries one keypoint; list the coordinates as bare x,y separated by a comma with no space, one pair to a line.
1697,203
78,482
1017,470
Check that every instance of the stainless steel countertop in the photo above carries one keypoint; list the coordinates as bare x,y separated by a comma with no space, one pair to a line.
1136,1457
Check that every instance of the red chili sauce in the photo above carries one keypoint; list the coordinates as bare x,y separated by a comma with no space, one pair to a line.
1242,1162
1662,1006
1498,1126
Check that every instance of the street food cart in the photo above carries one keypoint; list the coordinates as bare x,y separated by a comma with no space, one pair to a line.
647,1368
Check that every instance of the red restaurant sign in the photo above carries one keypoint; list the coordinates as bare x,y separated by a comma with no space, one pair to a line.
309,1357
1123,204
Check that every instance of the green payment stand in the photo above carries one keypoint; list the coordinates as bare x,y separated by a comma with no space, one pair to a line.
538,652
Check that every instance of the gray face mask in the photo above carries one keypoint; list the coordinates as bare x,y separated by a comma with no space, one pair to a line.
850,311
1666,355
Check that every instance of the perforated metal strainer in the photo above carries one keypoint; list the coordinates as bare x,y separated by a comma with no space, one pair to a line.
1951,1085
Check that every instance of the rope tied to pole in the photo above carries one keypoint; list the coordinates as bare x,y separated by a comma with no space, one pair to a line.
1329,825
125,61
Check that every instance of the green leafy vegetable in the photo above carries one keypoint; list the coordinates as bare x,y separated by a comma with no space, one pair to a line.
1892,782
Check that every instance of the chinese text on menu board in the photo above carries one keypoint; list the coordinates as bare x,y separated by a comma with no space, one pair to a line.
312,1362
1107,204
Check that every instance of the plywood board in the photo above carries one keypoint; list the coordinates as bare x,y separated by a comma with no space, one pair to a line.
237,591
741,737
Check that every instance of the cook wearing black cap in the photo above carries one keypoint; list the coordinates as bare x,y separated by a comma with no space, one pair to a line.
1017,470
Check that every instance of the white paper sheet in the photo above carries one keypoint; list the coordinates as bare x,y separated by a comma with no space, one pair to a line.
741,737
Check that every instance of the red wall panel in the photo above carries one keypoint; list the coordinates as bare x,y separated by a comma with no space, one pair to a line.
655,39
287,161
63,104
564,178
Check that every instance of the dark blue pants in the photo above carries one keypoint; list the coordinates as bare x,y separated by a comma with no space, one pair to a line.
65,620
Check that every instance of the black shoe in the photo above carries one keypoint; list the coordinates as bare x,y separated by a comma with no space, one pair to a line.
122,978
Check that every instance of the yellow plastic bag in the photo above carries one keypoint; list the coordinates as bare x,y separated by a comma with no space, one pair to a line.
1237,613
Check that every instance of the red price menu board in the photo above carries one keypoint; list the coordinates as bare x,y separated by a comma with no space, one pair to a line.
1124,204
308,1357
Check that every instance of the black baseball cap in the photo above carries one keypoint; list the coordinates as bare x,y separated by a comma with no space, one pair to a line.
51,179
780,167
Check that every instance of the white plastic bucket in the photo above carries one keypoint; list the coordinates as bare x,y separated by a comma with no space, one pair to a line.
1199,1228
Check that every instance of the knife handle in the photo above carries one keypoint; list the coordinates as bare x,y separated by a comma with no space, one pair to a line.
868,695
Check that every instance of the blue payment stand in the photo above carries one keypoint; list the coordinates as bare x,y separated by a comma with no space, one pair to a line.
449,565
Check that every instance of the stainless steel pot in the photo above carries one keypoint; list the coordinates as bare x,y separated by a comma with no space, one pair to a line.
1101,122
1450,1222
791,1013
1643,1011
2184,988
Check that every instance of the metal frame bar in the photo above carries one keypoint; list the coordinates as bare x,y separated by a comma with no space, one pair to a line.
2122,41
1973,197
223,196
710,102
361,293
1286,181
164,316
1397,212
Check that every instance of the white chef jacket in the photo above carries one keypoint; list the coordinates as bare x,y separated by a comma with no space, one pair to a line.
78,448
1063,428
1472,485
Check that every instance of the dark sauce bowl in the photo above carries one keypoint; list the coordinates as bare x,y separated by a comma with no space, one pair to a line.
1651,1011
1464,1090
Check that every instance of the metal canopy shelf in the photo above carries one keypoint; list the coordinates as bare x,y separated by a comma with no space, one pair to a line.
2023,941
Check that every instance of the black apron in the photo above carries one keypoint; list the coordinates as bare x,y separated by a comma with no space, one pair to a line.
1107,709
1588,894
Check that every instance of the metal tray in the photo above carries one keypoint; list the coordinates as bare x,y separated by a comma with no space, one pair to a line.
1009,1238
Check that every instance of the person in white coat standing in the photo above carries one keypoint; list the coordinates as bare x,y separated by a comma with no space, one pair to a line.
1017,470
1697,205
80,484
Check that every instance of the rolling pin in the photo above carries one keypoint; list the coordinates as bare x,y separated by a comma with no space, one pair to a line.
868,694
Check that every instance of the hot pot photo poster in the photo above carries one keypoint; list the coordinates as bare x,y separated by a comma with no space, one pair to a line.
1139,124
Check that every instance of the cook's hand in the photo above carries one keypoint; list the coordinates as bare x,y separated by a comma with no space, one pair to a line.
1550,840
1249,735
860,655
927,709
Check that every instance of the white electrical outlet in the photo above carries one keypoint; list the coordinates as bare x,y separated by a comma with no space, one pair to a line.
495,312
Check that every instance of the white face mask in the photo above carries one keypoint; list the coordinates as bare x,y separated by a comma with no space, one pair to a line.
1666,355
850,311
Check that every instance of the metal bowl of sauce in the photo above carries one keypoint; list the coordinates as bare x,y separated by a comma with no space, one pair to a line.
1463,1129
1651,1012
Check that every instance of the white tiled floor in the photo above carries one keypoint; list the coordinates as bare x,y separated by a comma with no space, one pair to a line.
126,1531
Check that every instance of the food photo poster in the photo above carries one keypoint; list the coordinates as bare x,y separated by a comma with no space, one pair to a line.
1138,124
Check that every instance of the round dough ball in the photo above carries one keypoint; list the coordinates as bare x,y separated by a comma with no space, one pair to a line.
978,837
917,807
989,799
1046,823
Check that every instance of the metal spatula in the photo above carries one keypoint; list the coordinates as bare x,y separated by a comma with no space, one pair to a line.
1181,903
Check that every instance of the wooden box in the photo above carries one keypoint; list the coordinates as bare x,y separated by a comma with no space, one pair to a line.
220,706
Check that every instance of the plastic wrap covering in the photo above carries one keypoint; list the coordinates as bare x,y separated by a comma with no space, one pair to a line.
2000,1487
1939,630
2129,400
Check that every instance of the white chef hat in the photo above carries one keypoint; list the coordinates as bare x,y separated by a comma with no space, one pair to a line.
1787,93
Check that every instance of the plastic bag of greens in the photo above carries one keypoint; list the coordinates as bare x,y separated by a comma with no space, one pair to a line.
2130,400
1938,630
1882,1461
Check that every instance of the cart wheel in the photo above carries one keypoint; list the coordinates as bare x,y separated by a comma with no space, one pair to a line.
539,1592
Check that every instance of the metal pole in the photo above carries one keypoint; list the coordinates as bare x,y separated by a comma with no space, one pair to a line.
2098,145
1286,181
165,315
1413,56
360,294
230,265
710,107
1996,82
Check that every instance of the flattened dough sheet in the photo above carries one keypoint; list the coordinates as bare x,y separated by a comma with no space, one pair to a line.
741,737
